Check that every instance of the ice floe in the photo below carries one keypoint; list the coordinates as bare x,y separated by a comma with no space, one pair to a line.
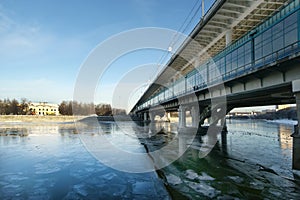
204,189
173,180
192,175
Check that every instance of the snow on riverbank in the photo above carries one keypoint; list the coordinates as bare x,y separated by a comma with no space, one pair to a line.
283,121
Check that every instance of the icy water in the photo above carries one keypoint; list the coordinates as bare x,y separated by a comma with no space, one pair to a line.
253,162
50,161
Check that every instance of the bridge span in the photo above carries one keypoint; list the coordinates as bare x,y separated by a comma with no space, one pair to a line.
241,54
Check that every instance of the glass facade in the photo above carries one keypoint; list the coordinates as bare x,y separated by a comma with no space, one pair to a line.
276,38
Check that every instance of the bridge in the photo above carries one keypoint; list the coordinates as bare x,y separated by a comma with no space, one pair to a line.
240,54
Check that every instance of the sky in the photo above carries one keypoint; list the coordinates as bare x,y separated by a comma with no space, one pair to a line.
44,43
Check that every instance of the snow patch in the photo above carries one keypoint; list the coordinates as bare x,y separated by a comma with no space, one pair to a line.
283,121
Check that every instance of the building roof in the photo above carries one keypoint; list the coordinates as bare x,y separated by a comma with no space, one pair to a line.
43,104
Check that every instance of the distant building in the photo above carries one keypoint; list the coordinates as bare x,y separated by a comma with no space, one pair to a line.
268,111
281,107
43,108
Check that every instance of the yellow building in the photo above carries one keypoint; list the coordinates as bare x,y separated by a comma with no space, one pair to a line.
43,108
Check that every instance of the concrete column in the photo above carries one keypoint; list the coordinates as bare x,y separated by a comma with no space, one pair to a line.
223,123
151,116
168,114
182,117
228,37
195,116
145,116
296,134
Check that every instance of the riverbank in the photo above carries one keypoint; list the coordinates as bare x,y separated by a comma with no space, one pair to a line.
37,118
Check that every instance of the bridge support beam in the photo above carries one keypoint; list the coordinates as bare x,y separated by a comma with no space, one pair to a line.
151,116
223,122
145,116
195,116
296,134
182,116
228,37
168,115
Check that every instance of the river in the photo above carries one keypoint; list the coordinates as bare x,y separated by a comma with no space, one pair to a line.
55,161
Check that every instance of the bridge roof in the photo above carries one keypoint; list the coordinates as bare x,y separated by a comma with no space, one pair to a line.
239,16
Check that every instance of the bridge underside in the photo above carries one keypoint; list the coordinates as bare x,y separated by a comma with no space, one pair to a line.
260,67
272,86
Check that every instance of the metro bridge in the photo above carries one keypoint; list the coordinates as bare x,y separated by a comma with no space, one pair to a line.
242,53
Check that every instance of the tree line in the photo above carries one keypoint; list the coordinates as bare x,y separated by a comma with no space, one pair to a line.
15,107
76,108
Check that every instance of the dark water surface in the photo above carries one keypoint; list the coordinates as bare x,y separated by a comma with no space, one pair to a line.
49,161
253,163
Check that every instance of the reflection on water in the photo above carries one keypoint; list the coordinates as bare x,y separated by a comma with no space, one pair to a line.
52,163
254,162
251,161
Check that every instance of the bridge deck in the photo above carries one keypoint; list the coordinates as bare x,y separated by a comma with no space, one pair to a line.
268,46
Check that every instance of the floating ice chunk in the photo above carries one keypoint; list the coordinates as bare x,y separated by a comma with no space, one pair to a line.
81,189
109,176
204,189
15,177
12,190
205,177
191,174
257,185
174,180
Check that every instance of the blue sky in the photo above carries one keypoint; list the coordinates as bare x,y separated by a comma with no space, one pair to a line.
44,42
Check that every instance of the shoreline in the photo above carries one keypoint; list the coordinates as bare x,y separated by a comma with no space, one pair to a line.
37,118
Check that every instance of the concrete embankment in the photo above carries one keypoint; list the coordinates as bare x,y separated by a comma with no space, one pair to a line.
36,118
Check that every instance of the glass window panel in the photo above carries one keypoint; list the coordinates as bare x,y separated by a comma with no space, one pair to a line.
228,63
258,53
277,43
293,18
291,37
257,40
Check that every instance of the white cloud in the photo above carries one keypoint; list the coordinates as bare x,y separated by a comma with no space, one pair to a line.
19,40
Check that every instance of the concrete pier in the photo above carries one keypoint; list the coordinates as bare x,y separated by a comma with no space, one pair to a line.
296,135
182,116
